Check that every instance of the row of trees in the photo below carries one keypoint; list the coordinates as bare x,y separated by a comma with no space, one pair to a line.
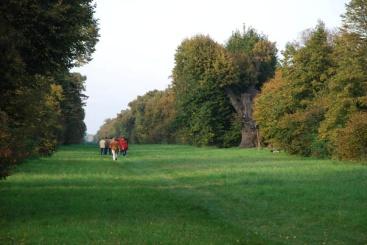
150,119
314,104
210,99
42,102
317,102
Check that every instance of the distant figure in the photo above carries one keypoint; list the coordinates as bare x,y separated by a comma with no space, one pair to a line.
123,145
114,148
107,146
102,145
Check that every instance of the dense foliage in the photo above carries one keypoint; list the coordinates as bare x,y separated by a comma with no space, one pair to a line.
291,110
254,56
41,101
319,96
150,119
315,105
72,111
210,101
204,113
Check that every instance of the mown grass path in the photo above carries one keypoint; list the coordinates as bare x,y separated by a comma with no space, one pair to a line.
167,194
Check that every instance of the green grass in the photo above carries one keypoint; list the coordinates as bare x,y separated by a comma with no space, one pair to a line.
170,194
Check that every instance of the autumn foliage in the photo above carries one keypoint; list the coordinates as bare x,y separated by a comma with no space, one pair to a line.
313,102
352,139
316,104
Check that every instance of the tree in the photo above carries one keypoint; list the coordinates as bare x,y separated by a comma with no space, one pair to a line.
125,125
291,107
47,35
354,20
150,119
347,89
204,114
108,129
255,59
38,40
72,110
154,115
267,113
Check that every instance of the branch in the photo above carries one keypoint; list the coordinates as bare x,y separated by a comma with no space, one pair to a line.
235,100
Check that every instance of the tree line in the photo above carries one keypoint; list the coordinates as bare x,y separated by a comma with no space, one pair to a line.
316,105
42,101
210,99
311,102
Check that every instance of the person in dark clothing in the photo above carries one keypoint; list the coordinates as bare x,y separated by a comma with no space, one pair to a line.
107,148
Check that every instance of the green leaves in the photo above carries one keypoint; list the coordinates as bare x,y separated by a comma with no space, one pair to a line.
317,103
72,104
203,68
41,102
254,58
150,119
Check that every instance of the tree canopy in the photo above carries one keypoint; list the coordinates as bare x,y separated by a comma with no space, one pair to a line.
319,94
313,102
202,67
41,101
150,119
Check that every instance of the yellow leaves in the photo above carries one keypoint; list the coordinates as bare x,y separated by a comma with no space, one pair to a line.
57,91
264,51
274,84
351,142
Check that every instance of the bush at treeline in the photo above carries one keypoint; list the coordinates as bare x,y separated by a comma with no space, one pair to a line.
42,102
316,104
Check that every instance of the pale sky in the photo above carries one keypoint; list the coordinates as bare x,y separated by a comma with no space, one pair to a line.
139,38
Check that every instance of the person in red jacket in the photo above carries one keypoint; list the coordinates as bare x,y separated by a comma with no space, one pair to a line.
123,145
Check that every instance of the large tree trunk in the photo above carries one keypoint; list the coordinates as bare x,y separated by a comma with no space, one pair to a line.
243,105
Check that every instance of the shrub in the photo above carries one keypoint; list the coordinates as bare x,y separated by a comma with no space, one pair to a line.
352,140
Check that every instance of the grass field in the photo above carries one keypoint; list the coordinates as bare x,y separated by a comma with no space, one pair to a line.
170,194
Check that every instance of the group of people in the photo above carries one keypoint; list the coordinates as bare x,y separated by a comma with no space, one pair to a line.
115,146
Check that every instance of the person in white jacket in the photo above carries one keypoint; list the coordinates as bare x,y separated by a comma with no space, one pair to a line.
102,144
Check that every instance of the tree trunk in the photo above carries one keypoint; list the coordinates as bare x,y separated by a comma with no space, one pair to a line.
243,105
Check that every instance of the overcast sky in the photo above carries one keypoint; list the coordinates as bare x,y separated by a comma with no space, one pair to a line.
139,38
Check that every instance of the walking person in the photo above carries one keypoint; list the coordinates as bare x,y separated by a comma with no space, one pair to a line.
107,146
122,145
114,145
119,140
102,145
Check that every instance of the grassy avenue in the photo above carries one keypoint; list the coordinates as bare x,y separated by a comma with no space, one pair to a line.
174,194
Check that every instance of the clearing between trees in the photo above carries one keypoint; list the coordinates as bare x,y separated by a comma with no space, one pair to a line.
175,194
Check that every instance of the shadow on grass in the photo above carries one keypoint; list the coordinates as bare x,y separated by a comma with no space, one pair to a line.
125,208
182,199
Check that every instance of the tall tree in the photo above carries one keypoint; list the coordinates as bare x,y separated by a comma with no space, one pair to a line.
298,95
255,59
47,35
38,39
347,98
72,104
203,111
